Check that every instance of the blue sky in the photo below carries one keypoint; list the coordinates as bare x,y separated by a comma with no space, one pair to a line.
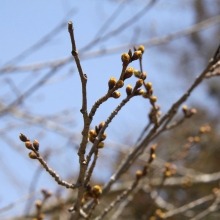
22,24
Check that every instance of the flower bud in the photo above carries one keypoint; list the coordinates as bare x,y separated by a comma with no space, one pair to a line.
36,145
128,72
23,138
139,83
184,108
141,48
130,53
38,204
96,191
101,144
139,174
32,155
119,84
137,55
125,58
148,85
153,99
116,94
137,73
111,83
101,125
145,95
103,137
129,89
143,75
92,133
28,145
139,92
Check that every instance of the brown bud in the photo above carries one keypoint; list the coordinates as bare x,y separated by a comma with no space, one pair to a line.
184,108
104,136
137,55
139,83
23,138
125,58
141,48
137,73
143,75
96,191
111,83
128,72
36,145
116,94
153,99
28,145
92,133
101,125
119,84
139,174
139,92
32,155
145,95
101,144
148,85
130,53
129,89
38,204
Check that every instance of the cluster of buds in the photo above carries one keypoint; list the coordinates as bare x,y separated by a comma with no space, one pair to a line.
127,58
92,192
34,147
188,112
136,91
169,170
139,173
39,204
140,75
149,93
113,83
94,133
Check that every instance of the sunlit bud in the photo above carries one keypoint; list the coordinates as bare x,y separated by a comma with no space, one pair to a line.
139,174
23,137
116,94
38,204
28,145
139,83
96,191
153,99
137,73
128,72
143,75
137,54
32,155
119,84
101,125
193,111
129,89
202,129
141,48
184,108
111,83
139,92
197,139
148,85
125,58
36,145
92,133
101,144
145,95
104,136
